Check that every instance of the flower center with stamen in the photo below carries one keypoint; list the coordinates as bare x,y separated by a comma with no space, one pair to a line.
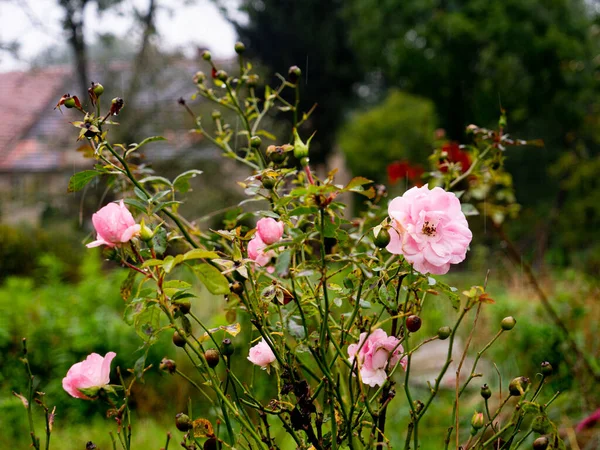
428,229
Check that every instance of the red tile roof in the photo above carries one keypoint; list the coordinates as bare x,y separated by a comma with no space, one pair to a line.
24,98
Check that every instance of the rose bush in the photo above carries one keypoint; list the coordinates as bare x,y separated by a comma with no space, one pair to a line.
334,313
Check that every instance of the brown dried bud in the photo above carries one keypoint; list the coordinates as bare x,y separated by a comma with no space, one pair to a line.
413,323
212,357
178,340
167,365
116,106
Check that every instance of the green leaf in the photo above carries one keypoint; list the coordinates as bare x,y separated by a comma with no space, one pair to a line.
81,179
198,253
147,323
140,364
283,262
213,279
159,240
127,285
147,141
356,182
156,180
152,263
136,204
469,210
182,182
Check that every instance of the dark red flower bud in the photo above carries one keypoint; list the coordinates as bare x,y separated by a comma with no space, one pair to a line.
541,443
413,323
178,340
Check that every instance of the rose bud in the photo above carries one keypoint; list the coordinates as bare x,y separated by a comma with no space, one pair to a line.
294,73
269,230
255,141
240,48
383,238
178,340
211,444
541,443
444,333
508,323
546,369
227,347
90,446
413,323
167,365
267,182
216,114
477,421
114,225
518,385
206,56
212,357
486,392
221,75
183,422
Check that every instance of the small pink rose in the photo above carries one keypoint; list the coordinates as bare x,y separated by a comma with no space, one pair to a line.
429,229
256,253
261,354
269,230
374,355
114,225
94,372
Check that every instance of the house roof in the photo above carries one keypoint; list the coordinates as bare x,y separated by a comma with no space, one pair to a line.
24,98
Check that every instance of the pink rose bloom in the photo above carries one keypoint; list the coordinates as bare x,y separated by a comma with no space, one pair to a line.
374,352
114,225
269,230
429,229
256,253
91,373
261,354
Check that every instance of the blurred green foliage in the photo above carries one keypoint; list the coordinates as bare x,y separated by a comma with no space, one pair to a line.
63,323
400,128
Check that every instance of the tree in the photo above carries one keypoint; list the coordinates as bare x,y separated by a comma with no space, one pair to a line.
312,35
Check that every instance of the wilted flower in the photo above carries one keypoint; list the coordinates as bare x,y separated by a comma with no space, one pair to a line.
269,230
94,372
429,229
261,354
375,353
114,225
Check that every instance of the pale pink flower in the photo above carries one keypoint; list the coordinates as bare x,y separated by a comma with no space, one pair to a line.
429,229
269,230
375,354
114,225
261,354
91,373
256,253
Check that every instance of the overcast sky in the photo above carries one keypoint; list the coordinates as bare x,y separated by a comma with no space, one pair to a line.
35,24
